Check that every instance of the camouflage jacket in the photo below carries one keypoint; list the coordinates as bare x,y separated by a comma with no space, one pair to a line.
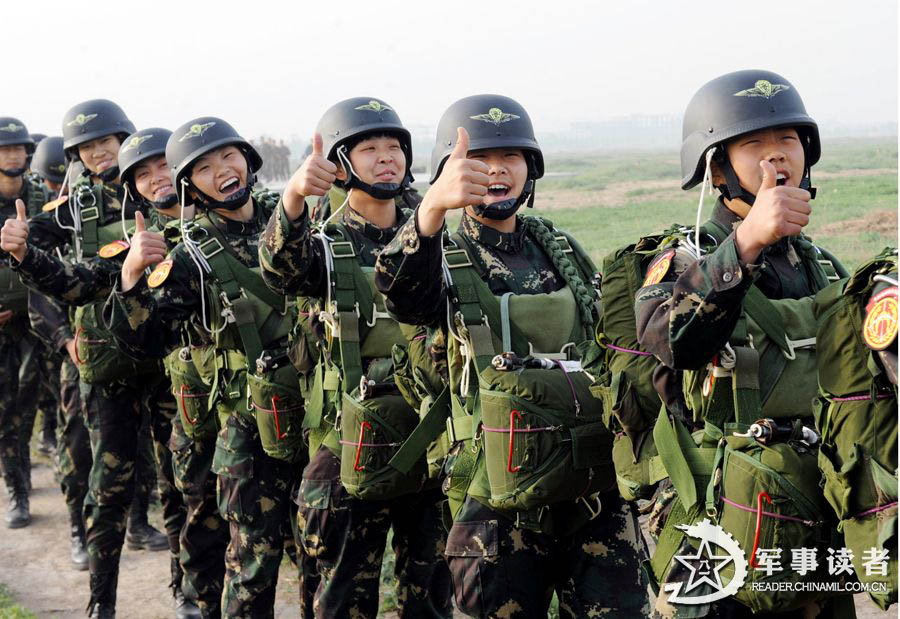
689,315
78,283
293,260
409,270
152,321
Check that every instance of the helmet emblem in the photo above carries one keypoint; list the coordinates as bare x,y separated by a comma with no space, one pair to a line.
374,106
60,168
12,128
763,88
136,141
495,116
196,130
81,119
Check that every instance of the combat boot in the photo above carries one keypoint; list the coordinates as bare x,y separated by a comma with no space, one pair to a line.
184,608
78,552
18,514
140,534
103,595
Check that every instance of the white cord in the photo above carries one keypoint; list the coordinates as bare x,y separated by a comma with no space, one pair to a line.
706,179
339,209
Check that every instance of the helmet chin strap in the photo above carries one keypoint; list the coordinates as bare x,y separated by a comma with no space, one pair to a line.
507,208
379,191
109,174
13,173
732,189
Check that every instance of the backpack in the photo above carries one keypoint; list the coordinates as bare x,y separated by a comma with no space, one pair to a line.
524,431
856,413
725,471
362,418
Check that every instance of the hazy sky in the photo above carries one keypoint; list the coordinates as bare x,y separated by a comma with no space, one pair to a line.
270,69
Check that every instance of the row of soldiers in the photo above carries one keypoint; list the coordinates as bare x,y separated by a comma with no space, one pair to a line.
333,365
276,158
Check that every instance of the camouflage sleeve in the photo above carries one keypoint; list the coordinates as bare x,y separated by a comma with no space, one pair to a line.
408,273
292,260
49,320
72,284
44,230
149,321
688,317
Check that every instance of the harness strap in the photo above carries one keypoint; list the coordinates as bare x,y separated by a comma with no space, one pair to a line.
429,428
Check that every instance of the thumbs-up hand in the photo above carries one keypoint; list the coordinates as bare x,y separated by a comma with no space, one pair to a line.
313,178
463,182
777,212
14,234
147,248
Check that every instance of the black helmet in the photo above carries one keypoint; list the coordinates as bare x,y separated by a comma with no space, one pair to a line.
50,160
13,132
91,120
37,137
138,147
196,138
492,121
735,104
346,123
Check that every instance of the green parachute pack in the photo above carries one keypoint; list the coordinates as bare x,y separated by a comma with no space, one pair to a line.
98,356
752,467
250,325
857,415
355,404
523,432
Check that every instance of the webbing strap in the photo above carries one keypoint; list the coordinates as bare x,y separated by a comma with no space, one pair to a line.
687,465
428,429
671,537
763,313
504,321
746,385
90,217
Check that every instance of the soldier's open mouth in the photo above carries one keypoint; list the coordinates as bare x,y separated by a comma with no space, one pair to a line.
498,190
229,186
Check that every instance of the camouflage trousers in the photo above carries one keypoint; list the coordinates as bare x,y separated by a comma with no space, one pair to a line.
347,537
204,536
20,377
48,403
500,570
253,497
73,447
115,413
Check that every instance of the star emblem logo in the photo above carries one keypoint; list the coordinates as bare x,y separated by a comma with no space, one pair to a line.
374,106
196,131
81,119
135,142
12,128
704,567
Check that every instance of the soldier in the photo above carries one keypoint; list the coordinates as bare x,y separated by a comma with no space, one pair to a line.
213,168
748,134
49,162
18,355
114,389
360,145
506,562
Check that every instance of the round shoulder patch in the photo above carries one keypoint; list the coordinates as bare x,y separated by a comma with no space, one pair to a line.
880,327
53,204
160,273
659,268
113,249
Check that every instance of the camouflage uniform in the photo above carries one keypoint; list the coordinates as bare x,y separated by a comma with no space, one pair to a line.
113,411
347,535
252,487
499,569
73,453
18,370
688,317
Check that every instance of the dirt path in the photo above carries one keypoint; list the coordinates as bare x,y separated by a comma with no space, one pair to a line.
34,564
35,567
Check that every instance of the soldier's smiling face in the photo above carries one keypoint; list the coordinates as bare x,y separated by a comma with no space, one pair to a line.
508,171
220,173
13,156
100,154
153,179
377,160
782,147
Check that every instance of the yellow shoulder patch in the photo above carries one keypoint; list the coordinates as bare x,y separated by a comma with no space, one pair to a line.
113,249
880,327
160,273
659,268
53,204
